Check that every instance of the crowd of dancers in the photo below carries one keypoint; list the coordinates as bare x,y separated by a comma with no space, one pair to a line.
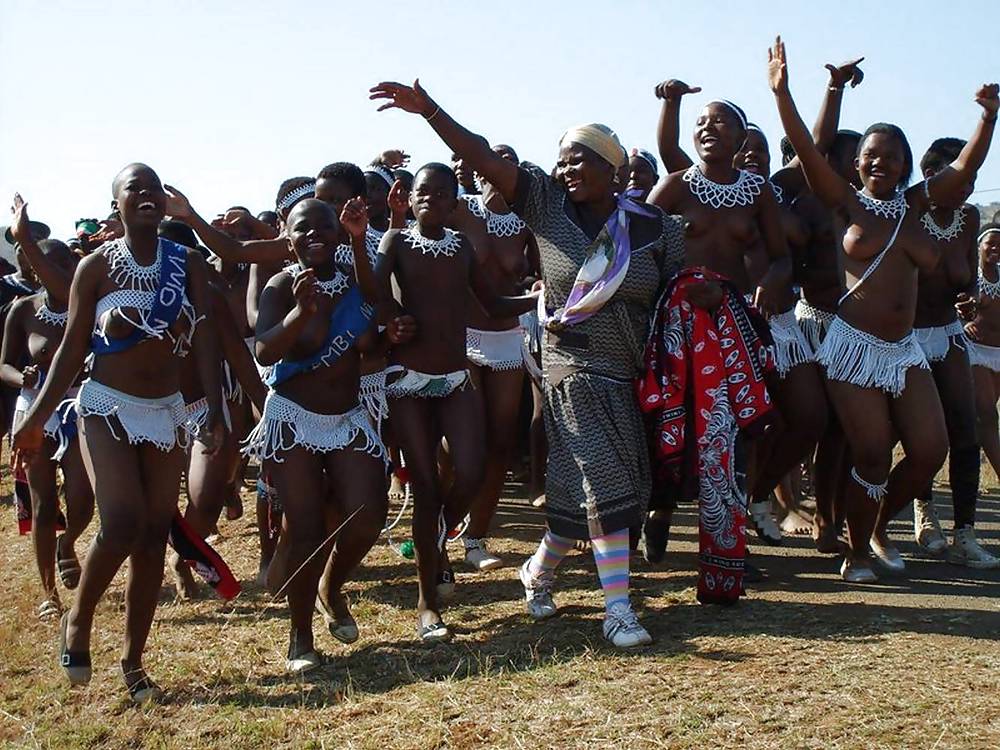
691,332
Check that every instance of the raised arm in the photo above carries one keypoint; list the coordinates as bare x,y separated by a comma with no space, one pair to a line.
668,128
354,220
69,356
269,250
399,204
387,308
824,130
830,187
949,183
277,331
474,149
55,280
204,346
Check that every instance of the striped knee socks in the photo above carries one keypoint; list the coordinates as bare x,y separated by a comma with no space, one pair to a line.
611,555
552,549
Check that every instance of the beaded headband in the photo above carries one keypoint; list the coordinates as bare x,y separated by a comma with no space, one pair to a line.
382,172
735,110
991,230
306,190
650,159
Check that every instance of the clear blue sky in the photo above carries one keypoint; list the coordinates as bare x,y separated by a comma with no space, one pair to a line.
226,99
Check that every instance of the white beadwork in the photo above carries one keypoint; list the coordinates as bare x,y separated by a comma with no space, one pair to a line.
285,425
890,209
948,233
874,491
124,270
779,193
989,288
344,254
743,192
45,315
145,420
858,357
330,287
497,225
791,348
446,246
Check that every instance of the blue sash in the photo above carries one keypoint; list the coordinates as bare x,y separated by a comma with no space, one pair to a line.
166,303
349,320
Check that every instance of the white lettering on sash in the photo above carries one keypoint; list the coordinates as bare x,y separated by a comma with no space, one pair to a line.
173,287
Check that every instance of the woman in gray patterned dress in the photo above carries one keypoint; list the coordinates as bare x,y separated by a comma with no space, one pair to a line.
598,475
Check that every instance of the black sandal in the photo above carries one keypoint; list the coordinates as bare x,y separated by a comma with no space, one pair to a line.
142,690
68,567
75,663
435,632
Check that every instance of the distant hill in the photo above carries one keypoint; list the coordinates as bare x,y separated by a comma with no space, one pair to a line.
988,211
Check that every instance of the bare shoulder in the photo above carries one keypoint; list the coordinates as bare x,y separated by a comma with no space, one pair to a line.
25,306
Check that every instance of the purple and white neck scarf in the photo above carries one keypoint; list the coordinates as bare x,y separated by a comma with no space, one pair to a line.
603,269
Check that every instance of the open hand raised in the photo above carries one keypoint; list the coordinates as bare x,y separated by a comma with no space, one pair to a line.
777,67
407,98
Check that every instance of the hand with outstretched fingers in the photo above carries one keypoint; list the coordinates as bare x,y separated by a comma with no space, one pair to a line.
411,99
777,67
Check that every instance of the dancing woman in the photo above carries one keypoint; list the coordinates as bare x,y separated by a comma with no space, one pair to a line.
877,375
504,248
598,480
952,227
329,464
983,330
32,333
138,304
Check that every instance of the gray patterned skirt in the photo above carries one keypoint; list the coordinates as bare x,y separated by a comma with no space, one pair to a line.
598,473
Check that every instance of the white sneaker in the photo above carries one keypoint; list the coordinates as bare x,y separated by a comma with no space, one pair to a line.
478,557
927,528
622,628
764,524
857,572
887,556
537,592
965,550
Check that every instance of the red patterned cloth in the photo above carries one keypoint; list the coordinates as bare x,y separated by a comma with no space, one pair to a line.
703,383
200,555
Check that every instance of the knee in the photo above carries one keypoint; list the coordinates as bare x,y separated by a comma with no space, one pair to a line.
44,509
121,531
872,463
303,533
469,476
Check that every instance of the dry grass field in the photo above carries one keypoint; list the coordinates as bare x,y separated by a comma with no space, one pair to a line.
805,661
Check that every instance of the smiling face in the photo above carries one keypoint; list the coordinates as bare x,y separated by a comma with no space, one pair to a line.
881,164
641,176
754,156
313,233
139,197
433,197
989,248
585,175
718,133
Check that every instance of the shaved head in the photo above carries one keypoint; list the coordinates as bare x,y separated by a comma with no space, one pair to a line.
127,172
